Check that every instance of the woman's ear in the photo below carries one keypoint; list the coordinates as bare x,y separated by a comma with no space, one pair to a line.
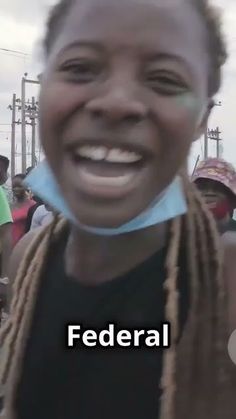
202,127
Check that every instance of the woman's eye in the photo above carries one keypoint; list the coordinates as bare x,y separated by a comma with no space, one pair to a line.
81,72
165,83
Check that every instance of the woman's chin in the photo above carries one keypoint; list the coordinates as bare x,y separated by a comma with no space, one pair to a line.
100,223
102,219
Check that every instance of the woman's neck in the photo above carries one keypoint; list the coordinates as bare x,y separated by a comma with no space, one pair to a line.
22,201
94,259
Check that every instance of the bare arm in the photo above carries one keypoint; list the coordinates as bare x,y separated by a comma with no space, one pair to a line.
5,230
6,240
6,244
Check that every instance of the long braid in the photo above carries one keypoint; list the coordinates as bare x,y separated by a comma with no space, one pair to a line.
214,369
212,288
24,297
191,255
202,327
171,315
207,331
24,280
220,331
28,301
22,272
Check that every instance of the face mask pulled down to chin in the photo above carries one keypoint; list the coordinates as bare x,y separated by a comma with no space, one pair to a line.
170,204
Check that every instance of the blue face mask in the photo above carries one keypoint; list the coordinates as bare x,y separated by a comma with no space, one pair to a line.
170,204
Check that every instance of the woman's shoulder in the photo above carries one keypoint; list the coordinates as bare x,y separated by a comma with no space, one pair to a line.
19,252
31,203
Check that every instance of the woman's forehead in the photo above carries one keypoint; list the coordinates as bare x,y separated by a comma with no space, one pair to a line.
151,23
211,185
18,180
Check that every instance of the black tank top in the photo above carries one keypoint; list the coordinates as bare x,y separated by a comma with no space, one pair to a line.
79,383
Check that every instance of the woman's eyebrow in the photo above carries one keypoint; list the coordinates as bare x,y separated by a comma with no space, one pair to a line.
82,44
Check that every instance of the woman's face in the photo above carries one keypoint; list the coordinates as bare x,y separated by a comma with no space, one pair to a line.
122,98
214,193
18,189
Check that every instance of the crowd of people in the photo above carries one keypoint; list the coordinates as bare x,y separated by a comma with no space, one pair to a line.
129,238
20,212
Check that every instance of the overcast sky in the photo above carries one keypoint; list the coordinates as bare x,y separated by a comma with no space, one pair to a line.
21,29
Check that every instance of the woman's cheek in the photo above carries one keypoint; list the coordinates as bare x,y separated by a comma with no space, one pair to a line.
58,100
178,120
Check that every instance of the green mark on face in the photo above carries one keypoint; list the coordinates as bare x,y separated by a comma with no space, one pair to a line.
189,101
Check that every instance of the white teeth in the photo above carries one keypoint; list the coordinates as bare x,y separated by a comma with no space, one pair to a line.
93,153
119,156
117,181
114,155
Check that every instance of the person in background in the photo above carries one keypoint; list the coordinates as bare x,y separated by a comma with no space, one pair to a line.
5,224
42,217
5,218
216,180
21,205
31,212
4,166
5,244
38,203
29,169
5,232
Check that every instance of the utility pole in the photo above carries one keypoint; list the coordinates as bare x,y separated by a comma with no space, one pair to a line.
13,137
206,134
23,125
215,136
14,107
29,110
32,114
206,143
24,122
33,133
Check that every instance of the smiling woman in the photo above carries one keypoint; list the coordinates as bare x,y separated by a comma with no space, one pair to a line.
137,81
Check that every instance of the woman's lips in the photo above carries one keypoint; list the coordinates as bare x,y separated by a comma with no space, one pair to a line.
102,179
105,181
106,172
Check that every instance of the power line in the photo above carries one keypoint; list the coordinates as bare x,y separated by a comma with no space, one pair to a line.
15,52
21,57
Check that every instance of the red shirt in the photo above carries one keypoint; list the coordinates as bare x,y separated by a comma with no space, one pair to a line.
19,216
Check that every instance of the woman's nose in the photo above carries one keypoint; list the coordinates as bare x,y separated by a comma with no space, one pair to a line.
117,105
